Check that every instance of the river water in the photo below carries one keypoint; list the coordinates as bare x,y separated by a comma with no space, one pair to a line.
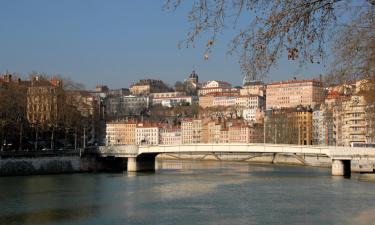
188,192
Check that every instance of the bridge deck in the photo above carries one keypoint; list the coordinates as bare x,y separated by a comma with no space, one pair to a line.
332,152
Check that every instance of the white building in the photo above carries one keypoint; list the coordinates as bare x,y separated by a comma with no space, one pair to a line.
224,100
250,101
147,134
253,115
167,94
214,86
174,101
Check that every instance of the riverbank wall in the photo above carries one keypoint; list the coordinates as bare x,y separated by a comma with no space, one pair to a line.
60,163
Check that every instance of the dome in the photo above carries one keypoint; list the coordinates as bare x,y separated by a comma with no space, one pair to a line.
193,75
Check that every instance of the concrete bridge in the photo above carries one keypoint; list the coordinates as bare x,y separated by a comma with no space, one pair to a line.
142,158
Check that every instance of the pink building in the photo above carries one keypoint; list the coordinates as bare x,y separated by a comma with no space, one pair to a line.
288,94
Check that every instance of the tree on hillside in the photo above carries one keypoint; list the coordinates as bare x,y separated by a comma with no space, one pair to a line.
268,29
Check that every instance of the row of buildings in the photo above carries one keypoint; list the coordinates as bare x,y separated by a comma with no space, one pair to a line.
187,132
294,112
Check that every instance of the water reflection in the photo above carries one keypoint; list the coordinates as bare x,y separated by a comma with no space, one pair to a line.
183,192
56,215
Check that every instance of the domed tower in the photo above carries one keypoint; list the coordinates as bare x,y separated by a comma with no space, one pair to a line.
193,77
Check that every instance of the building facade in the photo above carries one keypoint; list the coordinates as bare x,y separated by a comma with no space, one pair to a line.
170,136
45,100
214,86
147,134
288,94
191,131
147,86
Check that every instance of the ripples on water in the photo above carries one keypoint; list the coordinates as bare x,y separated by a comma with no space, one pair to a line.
183,192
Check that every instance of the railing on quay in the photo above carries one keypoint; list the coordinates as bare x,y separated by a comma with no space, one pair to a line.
40,153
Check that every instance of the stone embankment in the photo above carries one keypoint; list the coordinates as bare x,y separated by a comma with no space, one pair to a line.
55,162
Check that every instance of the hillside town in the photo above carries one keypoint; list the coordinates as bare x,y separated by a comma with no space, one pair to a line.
47,113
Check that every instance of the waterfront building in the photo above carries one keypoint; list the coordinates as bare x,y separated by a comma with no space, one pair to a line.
224,135
211,131
45,100
170,136
191,131
239,133
302,117
323,126
120,133
353,120
147,134
289,126
287,94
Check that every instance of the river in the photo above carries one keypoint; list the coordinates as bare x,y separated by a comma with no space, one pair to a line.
190,192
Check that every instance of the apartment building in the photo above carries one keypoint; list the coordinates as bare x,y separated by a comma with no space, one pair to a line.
288,94
147,134
120,132
214,86
170,136
191,131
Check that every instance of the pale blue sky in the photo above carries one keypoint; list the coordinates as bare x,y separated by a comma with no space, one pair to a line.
114,42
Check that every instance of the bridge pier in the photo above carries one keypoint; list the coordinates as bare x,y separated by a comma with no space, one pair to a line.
341,167
141,163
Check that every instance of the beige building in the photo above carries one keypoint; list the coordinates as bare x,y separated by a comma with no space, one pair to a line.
353,120
147,86
211,132
230,99
167,94
120,133
249,101
206,101
238,133
254,88
224,100
287,94
224,135
191,131
170,136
